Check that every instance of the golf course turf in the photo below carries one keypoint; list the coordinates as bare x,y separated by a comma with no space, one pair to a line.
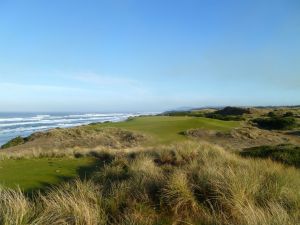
166,130
31,174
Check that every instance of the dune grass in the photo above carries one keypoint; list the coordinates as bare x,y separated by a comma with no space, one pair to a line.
167,129
187,183
43,171
30,174
182,183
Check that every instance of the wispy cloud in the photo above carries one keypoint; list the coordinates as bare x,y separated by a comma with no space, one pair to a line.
97,79
36,87
123,85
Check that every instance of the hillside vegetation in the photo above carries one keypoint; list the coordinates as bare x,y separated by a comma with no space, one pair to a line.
155,170
42,151
187,183
287,154
275,122
80,137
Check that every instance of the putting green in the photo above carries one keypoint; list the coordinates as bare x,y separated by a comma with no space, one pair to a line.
165,129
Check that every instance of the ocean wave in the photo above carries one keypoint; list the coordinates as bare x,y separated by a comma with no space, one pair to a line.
57,121
24,125
52,117
24,129
96,115
11,119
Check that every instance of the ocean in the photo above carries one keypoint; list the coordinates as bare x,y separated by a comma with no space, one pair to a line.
24,124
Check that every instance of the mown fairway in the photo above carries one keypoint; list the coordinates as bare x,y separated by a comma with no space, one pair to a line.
37,173
165,130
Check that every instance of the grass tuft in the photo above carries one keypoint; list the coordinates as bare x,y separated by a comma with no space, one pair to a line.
187,183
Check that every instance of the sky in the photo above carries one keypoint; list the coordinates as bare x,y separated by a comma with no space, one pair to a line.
147,55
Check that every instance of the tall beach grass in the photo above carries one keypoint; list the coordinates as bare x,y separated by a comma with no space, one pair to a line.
188,183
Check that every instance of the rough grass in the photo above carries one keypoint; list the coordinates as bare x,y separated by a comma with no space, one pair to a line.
15,207
287,154
188,183
77,137
72,203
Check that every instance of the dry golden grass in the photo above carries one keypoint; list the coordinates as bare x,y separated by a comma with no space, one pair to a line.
15,209
187,183
69,141
75,203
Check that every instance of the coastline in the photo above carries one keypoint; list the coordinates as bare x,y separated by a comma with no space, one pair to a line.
13,125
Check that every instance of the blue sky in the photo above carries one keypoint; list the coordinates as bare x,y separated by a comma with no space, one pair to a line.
147,55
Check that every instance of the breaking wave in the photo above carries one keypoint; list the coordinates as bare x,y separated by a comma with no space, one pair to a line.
12,125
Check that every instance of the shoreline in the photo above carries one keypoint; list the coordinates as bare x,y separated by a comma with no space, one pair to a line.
12,127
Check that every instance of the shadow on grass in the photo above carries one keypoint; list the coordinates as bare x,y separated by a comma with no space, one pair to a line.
182,133
100,159
296,133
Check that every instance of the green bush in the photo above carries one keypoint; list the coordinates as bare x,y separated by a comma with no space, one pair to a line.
288,114
177,113
233,111
229,113
14,142
279,123
287,154
224,117
184,113
271,114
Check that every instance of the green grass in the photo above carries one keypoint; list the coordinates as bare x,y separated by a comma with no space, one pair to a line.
166,130
40,172
37,173
186,183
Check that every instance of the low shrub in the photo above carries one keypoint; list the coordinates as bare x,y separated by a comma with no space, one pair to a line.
287,154
233,111
279,123
14,142
229,114
271,114
177,113
288,114
184,113
224,117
